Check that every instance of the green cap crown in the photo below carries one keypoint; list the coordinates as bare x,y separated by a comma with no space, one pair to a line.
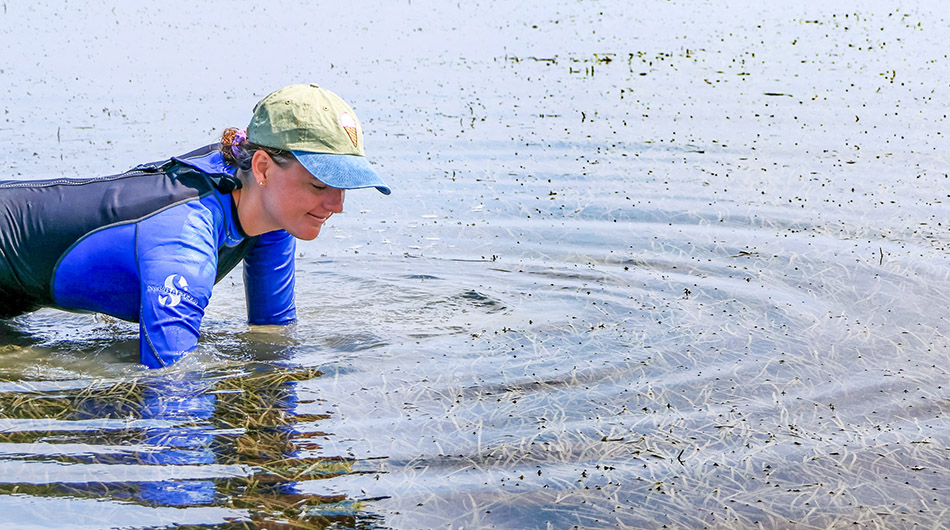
306,118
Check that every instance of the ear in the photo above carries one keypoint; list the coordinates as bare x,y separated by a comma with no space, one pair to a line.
260,164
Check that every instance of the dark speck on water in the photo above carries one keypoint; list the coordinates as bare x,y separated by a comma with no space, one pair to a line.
682,266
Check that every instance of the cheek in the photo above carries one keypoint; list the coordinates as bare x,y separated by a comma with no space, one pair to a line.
309,202
290,198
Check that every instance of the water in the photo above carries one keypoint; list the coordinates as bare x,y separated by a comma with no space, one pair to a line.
677,264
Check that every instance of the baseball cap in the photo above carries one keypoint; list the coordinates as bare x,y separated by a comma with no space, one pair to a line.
321,131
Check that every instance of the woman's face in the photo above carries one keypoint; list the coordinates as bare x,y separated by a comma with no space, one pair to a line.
298,202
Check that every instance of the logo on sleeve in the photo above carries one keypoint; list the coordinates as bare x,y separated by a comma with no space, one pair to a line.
174,289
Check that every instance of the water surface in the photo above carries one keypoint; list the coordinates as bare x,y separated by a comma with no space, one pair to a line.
683,264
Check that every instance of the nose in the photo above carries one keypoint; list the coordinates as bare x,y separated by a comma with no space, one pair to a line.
333,200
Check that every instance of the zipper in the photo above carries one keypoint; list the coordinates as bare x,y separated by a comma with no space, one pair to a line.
72,182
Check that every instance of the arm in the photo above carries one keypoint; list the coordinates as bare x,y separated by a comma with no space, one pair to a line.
177,261
269,279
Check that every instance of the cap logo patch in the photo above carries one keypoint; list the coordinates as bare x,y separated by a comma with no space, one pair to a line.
349,125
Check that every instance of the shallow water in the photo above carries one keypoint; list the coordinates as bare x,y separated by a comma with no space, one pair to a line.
679,265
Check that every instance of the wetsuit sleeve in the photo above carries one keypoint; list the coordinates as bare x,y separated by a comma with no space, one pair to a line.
269,279
177,261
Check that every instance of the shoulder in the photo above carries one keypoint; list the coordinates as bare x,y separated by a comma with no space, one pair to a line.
207,159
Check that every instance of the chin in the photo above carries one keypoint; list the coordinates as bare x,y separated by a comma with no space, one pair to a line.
307,234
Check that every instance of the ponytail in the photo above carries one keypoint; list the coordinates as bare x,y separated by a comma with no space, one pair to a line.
238,151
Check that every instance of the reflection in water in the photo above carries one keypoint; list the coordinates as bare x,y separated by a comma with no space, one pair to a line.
228,440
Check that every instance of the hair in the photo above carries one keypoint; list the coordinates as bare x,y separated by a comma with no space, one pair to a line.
240,154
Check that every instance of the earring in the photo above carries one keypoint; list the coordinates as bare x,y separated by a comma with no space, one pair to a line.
261,183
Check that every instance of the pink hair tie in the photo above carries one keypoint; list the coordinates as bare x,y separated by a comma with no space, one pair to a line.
240,136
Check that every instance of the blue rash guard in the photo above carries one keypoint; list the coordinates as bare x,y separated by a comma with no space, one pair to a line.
145,246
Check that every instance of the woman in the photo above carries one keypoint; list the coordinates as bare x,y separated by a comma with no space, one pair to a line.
148,245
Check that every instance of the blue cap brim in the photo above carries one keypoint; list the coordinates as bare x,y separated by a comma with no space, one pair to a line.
342,171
